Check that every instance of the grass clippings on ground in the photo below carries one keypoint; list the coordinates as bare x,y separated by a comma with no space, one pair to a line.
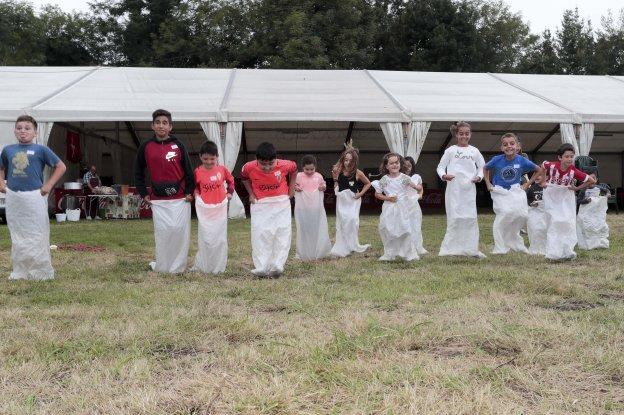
506,335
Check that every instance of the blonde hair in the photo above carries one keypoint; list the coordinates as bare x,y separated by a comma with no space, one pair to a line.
339,166
383,168
456,126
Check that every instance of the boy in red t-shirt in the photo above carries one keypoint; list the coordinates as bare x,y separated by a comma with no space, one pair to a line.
270,183
560,203
214,186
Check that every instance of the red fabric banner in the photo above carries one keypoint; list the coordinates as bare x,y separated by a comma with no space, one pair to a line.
74,152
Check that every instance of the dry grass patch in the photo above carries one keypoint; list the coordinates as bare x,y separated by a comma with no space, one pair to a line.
506,335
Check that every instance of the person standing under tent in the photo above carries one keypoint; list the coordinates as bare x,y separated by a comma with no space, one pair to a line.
27,201
395,225
461,167
214,186
90,181
414,195
310,217
350,184
509,198
172,184
536,221
270,183
560,203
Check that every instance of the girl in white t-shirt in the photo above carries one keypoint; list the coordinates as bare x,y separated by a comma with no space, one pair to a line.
394,223
461,167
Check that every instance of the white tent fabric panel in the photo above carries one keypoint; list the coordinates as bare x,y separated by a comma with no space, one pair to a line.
568,136
586,138
308,95
24,86
231,146
416,138
122,94
6,134
597,99
441,96
393,132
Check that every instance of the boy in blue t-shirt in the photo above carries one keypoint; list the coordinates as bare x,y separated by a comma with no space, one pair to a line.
503,175
509,167
26,201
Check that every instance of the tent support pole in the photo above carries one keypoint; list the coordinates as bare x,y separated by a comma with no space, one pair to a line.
622,167
350,131
244,143
545,140
133,133
447,140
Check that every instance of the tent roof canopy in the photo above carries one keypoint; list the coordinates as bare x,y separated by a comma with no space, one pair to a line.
131,94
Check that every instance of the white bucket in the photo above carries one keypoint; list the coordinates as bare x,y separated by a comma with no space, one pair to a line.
61,217
73,215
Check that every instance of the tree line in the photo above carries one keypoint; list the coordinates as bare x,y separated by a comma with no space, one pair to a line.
410,35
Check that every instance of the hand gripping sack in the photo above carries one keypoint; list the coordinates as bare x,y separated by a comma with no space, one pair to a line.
172,233
311,222
212,243
591,224
347,225
395,230
29,226
560,208
415,215
270,234
511,209
462,228
537,229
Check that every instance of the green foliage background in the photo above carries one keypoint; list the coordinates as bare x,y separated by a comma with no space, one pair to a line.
423,35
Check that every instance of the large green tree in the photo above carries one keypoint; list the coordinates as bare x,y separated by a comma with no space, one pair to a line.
312,34
69,38
609,49
575,44
541,57
20,35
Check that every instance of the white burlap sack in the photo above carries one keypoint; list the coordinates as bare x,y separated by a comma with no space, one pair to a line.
415,215
512,210
395,230
347,225
311,221
29,226
592,230
172,233
537,228
560,208
212,243
270,234
462,228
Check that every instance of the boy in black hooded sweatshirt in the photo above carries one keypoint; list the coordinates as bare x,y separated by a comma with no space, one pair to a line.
172,185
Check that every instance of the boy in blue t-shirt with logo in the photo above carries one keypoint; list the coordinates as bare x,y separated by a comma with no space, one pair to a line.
509,167
27,201
503,175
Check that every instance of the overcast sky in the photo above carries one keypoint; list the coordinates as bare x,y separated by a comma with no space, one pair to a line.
541,14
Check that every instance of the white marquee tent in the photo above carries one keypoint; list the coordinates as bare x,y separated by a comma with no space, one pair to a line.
308,111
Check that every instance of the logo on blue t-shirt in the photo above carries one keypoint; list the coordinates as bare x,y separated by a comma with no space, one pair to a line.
510,174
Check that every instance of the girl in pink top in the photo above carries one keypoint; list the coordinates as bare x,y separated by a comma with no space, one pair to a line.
310,218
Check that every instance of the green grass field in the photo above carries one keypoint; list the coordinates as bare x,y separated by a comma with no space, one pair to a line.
510,334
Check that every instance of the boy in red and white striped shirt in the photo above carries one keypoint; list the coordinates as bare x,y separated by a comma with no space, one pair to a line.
560,203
